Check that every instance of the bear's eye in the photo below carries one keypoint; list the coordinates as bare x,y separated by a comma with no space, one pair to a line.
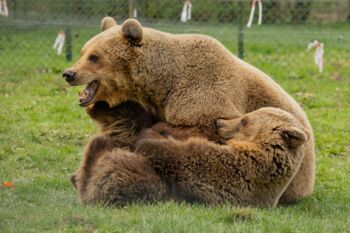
244,122
93,58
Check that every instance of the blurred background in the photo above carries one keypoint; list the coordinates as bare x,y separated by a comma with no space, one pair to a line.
278,46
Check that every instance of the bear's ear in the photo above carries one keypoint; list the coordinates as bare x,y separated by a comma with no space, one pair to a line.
107,22
294,136
132,31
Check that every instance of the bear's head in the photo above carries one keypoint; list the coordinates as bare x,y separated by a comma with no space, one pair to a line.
104,64
272,125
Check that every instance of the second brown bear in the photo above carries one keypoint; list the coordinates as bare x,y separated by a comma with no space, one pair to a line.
264,150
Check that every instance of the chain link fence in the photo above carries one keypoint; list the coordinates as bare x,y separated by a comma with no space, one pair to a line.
278,46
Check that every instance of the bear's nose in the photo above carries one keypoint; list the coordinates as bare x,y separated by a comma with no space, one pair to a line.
69,75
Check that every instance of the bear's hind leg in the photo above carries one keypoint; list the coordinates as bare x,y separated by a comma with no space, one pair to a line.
95,149
121,177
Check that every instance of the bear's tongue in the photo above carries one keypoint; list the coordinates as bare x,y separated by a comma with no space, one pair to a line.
86,96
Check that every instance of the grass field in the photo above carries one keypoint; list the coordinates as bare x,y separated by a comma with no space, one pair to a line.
43,132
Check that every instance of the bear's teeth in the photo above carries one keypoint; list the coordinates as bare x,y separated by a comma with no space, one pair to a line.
87,95
83,94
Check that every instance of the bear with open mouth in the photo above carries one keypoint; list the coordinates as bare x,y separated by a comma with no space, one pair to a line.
183,80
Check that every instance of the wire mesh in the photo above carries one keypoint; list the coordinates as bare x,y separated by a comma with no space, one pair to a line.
277,46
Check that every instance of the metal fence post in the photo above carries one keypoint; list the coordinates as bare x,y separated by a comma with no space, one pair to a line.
68,34
240,30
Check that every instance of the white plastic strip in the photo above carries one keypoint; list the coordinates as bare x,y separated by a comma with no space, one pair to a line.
3,8
318,55
252,11
260,12
251,16
186,11
59,42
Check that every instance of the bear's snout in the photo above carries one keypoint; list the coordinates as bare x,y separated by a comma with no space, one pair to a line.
69,75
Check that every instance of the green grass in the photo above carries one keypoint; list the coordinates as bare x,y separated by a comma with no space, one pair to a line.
43,133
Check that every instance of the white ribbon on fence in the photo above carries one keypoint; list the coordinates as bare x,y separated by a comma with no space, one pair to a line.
3,8
59,42
186,11
252,11
318,55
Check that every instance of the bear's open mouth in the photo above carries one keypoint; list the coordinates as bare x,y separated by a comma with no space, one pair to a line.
87,95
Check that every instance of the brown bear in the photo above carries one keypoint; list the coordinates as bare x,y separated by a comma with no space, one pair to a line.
264,150
184,80
122,123
125,123
116,176
104,167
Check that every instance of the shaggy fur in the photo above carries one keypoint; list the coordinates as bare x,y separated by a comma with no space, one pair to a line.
115,176
185,80
122,123
263,152
253,169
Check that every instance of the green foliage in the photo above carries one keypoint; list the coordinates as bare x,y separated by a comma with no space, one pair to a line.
43,132
83,11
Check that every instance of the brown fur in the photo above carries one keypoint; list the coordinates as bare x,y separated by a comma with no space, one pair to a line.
253,169
185,80
123,123
263,152
115,176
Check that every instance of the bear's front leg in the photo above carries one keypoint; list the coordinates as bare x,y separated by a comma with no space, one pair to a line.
171,160
161,153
